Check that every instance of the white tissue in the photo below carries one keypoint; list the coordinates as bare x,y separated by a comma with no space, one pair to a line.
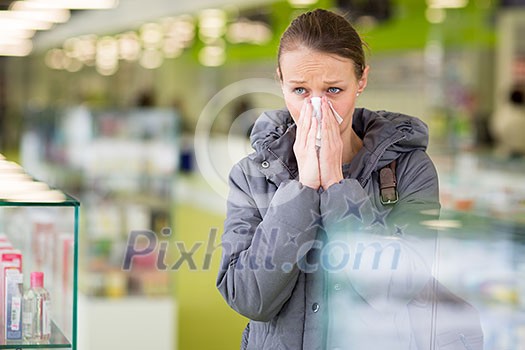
316,104
337,116
316,113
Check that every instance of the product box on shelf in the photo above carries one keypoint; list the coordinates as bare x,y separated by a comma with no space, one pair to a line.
9,259
3,269
5,245
12,301
12,255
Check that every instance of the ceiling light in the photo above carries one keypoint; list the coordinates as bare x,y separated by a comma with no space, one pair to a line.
213,55
9,40
9,20
172,47
20,48
55,59
447,4
212,18
107,71
129,46
246,31
17,33
76,4
107,56
181,28
435,15
72,65
50,15
151,35
31,10
302,3
212,25
86,49
151,58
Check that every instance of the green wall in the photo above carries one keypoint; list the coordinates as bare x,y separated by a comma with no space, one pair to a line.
205,320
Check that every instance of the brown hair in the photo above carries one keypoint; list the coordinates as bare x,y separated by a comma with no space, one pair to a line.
327,32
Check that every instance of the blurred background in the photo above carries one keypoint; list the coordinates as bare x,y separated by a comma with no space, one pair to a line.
140,108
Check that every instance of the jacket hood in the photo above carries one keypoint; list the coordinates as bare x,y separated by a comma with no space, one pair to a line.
385,136
270,126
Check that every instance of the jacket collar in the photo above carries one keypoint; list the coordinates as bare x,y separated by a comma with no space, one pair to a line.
385,136
276,159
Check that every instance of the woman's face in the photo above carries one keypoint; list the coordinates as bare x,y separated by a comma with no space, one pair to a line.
306,73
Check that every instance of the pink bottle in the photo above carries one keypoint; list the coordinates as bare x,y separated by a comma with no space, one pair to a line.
36,318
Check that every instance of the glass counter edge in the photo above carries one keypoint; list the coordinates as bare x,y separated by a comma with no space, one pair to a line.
70,201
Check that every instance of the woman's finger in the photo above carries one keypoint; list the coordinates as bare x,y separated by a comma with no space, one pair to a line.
301,132
312,134
307,122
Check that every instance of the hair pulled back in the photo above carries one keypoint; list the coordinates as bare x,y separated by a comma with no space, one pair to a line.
326,32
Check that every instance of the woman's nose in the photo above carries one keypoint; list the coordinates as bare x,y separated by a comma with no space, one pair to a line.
320,96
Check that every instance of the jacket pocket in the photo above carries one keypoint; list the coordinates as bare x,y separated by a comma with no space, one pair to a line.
255,335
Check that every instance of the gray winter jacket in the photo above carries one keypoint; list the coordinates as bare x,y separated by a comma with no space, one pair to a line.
337,269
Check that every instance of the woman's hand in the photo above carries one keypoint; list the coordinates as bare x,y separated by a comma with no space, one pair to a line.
331,152
304,148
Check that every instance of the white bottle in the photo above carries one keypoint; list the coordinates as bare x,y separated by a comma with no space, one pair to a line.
36,321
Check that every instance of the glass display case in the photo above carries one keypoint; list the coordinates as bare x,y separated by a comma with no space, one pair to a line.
122,165
38,233
481,260
481,255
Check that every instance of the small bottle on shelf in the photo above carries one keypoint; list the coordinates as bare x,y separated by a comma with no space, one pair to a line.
37,307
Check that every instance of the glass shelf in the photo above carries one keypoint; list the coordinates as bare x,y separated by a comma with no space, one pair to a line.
57,341
68,202
46,234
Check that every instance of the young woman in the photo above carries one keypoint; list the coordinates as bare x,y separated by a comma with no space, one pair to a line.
322,246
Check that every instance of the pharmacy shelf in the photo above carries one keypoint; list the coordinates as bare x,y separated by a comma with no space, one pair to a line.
58,341
53,224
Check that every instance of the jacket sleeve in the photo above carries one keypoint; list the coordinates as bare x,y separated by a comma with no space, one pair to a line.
391,251
259,266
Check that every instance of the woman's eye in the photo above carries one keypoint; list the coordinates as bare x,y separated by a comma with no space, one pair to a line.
299,91
334,90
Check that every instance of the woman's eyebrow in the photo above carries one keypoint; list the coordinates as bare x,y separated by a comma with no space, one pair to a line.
327,82
295,81
330,82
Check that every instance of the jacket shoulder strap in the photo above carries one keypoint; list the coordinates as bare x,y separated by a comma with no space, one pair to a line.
388,184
